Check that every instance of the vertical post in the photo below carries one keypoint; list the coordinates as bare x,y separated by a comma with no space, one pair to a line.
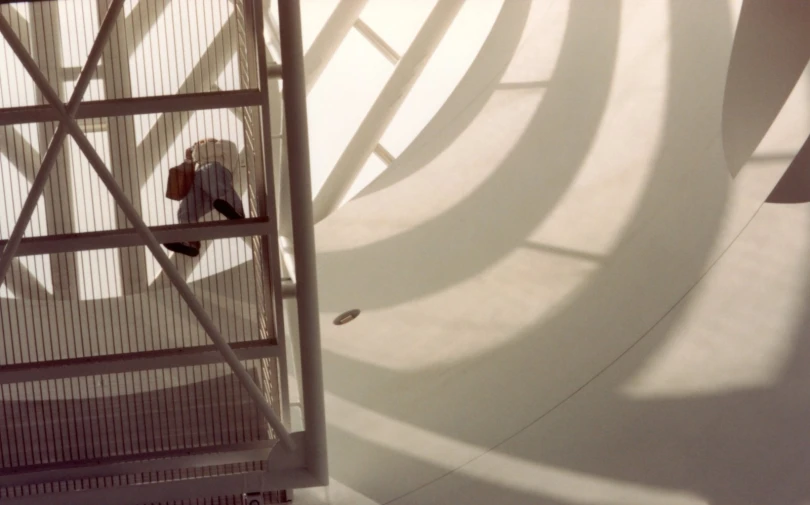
271,245
295,108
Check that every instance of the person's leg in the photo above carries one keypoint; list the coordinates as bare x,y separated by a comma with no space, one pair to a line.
220,187
193,207
185,248
230,211
197,202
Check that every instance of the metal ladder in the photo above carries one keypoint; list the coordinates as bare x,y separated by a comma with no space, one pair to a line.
300,459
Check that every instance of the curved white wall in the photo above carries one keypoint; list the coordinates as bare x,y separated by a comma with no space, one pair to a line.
566,297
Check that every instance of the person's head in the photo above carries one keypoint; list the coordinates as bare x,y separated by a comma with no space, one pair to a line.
190,150
210,150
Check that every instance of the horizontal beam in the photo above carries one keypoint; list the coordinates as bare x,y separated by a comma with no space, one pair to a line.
135,106
383,154
128,237
133,362
180,490
382,46
129,464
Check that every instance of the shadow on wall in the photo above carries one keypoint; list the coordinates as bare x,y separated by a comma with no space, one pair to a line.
736,448
466,101
521,192
794,186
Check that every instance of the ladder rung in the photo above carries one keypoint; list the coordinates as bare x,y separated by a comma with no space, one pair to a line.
133,106
192,457
133,362
114,239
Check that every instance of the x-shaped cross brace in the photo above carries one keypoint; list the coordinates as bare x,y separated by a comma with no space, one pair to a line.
68,125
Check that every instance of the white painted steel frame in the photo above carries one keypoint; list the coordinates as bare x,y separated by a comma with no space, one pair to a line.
191,489
313,439
134,106
271,244
133,464
67,125
129,237
133,362
303,228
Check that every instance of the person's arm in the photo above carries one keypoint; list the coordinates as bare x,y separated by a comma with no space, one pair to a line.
190,150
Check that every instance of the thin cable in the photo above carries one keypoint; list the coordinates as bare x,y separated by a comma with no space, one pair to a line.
174,295
214,277
134,445
33,225
247,134
15,355
40,338
230,269
240,273
38,323
63,424
186,119
9,447
161,87
6,451
39,439
222,378
29,443
18,454
143,407
236,290
55,422
225,273
58,204
101,302
80,417
135,414
99,344
27,420
11,336
44,398
77,324
50,423
71,409
207,373
125,255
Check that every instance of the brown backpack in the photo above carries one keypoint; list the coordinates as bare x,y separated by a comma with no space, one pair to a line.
181,178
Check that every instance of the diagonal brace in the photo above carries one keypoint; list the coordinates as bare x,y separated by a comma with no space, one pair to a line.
68,125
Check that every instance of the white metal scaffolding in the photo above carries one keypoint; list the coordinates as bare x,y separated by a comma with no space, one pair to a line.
114,385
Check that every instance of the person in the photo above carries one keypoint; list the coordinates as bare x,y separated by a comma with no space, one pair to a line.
212,188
